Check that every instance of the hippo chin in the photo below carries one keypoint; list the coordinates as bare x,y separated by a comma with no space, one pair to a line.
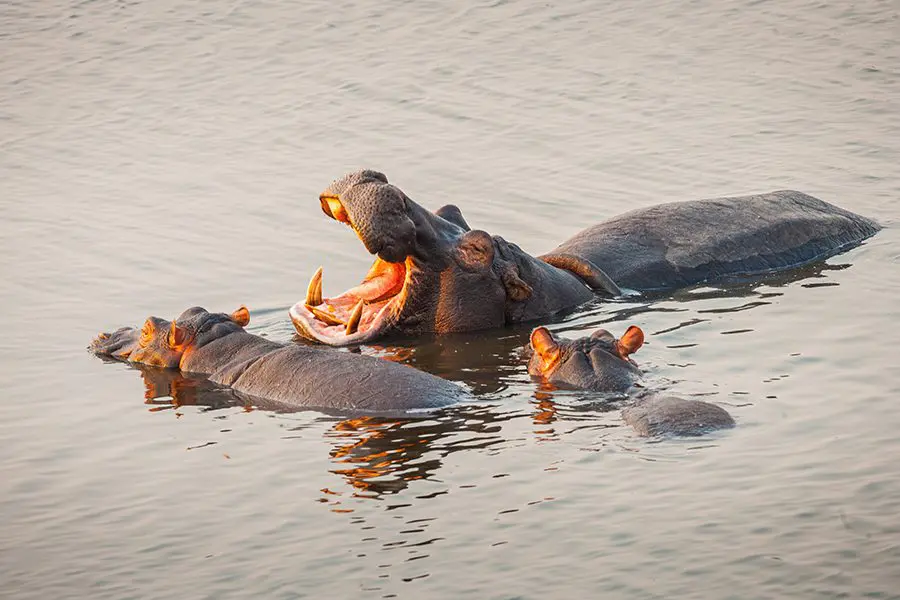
601,363
216,345
433,273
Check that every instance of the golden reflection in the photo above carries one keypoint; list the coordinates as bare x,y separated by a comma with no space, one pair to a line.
373,452
167,389
381,455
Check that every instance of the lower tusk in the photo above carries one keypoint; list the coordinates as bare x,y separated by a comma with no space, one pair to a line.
355,316
314,290
324,316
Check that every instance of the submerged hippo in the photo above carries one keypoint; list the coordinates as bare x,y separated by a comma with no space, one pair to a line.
215,344
601,363
433,273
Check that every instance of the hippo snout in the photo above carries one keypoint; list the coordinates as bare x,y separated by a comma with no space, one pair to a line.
120,343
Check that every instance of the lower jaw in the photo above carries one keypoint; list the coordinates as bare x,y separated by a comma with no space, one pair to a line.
308,326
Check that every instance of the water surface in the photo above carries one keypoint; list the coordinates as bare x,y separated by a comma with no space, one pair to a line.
160,155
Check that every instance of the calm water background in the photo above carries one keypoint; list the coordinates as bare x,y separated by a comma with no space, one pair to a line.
159,155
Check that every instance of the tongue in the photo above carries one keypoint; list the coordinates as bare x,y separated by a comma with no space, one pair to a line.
383,281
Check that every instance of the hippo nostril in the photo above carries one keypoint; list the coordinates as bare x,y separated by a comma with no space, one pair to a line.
325,208
332,207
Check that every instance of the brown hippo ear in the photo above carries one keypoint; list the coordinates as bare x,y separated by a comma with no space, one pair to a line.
241,316
543,341
451,213
475,251
545,346
631,341
177,336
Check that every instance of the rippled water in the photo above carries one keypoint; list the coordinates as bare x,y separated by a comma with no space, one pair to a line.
159,155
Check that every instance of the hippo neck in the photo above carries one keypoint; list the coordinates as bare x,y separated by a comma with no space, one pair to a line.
232,352
552,290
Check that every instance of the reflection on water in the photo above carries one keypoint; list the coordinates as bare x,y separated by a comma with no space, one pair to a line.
376,456
380,457
169,389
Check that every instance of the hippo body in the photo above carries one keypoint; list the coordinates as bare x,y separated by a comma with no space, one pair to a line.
655,415
601,363
305,376
288,374
434,274
685,243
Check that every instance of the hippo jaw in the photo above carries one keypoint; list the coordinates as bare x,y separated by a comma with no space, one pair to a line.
363,313
163,343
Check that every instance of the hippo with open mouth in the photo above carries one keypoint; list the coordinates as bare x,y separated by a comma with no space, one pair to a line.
433,273
601,363
215,344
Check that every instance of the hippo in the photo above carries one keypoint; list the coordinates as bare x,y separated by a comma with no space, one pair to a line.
434,274
216,345
602,363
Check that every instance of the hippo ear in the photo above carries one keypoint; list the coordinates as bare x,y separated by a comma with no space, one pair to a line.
631,340
517,290
475,251
177,336
543,341
451,213
241,316
546,348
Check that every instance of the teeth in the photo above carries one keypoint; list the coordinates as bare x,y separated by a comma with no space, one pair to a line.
355,316
324,316
314,291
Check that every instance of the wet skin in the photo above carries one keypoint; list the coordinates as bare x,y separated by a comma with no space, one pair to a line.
216,345
434,274
602,363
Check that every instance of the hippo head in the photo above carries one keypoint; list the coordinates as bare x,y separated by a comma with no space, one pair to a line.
432,273
599,362
162,343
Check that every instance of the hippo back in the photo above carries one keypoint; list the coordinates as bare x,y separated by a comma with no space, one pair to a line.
311,377
670,415
683,243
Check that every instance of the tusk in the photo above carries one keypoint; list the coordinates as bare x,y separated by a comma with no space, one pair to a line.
324,316
355,316
314,291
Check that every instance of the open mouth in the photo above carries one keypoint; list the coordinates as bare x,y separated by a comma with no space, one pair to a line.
359,314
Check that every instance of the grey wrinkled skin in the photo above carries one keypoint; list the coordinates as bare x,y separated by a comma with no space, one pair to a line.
669,415
292,375
589,363
684,243
461,279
